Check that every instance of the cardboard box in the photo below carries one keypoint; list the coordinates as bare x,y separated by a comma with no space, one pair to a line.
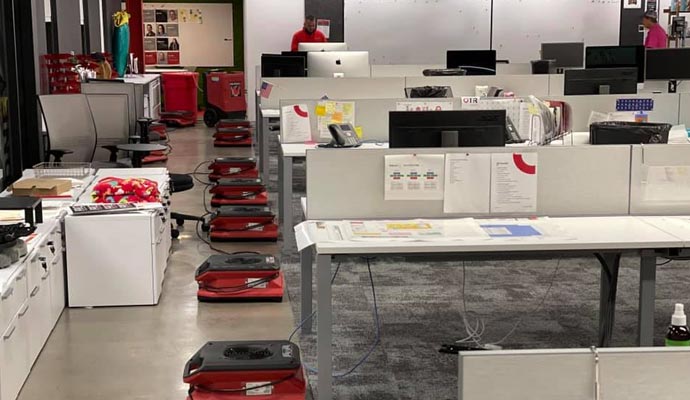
35,187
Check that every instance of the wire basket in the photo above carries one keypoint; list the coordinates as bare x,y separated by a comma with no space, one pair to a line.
62,170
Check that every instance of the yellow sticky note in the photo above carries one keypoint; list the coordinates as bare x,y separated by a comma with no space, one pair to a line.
337,117
533,110
359,131
320,110
330,107
347,108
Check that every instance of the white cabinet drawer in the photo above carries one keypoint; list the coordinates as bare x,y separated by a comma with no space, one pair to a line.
38,319
15,355
14,296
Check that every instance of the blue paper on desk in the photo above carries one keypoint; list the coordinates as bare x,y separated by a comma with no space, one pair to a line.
510,230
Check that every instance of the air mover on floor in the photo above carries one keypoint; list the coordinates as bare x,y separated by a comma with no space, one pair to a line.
232,137
240,277
233,167
267,370
243,223
237,192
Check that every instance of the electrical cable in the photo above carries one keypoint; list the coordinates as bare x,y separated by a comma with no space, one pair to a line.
664,263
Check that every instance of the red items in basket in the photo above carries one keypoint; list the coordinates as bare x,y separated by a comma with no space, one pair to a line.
125,190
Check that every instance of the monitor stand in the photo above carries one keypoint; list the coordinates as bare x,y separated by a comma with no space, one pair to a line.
604,89
450,138
673,86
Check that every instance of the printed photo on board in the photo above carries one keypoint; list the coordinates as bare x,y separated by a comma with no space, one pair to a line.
172,30
174,45
160,30
149,44
162,58
148,29
161,15
149,15
172,15
162,44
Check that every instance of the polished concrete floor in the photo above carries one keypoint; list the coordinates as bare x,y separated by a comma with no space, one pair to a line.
138,353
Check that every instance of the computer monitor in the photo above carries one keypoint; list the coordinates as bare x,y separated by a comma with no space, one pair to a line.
475,62
668,64
565,55
280,66
616,57
339,64
302,54
468,128
327,46
601,81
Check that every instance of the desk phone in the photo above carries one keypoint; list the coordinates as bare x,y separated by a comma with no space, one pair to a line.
344,135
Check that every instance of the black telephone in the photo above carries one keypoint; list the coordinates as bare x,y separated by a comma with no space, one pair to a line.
344,135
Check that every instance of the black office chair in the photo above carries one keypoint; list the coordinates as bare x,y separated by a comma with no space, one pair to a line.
181,183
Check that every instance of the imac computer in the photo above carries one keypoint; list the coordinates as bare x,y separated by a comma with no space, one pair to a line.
469,128
616,57
601,81
475,62
326,46
279,66
565,55
339,64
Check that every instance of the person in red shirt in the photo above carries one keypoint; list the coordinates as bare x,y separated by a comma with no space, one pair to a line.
656,36
308,34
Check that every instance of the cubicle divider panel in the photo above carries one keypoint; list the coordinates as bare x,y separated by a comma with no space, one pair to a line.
371,115
665,107
660,180
335,88
116,88
386,70
556,85
623,373
572,181
521,85
684,117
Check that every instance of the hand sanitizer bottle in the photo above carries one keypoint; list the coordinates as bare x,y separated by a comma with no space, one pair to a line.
678,333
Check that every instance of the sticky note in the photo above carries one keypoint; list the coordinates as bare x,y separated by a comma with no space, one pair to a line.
330,107
359,131
320,110
533,110
337,117
348,108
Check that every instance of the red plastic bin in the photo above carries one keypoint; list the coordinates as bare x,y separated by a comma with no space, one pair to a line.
180,91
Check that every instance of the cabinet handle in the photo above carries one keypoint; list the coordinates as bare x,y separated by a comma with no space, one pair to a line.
35,291
9,335
26,309
45,275
9,293
21,275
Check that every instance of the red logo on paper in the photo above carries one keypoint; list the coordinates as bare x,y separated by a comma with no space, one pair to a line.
523,166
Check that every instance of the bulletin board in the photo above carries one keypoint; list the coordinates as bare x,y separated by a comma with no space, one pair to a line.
188,34
519,39
416,31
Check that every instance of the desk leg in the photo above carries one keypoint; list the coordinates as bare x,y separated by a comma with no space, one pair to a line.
265,146
281,195
647,298
286,208
306,260
610,264
324,334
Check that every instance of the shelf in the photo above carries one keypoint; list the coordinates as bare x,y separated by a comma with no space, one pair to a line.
668,11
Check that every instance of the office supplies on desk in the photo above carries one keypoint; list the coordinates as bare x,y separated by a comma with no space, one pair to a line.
614,132
37,187
428,92
344,136
95,209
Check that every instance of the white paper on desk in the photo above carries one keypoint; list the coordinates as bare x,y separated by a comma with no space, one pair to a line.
294,124
424,106
414,177
302,236
467,186
678,135
514,182
667,184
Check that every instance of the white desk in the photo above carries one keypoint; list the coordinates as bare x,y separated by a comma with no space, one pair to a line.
288,153
608,237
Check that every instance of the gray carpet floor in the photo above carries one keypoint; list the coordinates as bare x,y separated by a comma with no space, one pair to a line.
421,307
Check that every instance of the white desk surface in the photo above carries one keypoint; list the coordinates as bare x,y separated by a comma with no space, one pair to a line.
270,112
587,234
678,226
303,202
142,79
300,149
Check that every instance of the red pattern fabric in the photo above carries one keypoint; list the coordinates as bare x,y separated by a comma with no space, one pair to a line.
125,190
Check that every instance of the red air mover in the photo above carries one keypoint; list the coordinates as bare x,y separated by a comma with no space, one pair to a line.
243,223
232,137
224,97
159,129
240,277
233,167
233,123
238,192
261,370
180,94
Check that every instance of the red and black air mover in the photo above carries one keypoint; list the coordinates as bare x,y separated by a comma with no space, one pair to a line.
262,370
243,223
233,123
232,137
240,277
180,94
224,97
239,192
233,167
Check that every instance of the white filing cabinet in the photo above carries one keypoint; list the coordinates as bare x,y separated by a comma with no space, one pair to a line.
31,301
116,259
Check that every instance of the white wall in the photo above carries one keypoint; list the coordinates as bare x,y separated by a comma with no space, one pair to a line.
268,28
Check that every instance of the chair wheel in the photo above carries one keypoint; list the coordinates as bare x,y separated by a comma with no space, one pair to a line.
205,227
180,222
175,233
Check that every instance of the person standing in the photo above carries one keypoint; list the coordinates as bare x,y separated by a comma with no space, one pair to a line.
656,35
308,34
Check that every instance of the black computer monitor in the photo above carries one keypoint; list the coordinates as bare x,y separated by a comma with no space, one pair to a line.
280,66
668,64
565,55
475,62
302,54
616,57
601,81
469,128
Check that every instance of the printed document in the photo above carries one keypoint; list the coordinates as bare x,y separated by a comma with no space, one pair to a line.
414,177
467,184
295,126
514,183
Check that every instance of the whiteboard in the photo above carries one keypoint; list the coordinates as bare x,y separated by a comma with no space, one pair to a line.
521,26
205,40
416,31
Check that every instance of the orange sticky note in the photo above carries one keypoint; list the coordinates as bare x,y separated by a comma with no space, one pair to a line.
337,117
